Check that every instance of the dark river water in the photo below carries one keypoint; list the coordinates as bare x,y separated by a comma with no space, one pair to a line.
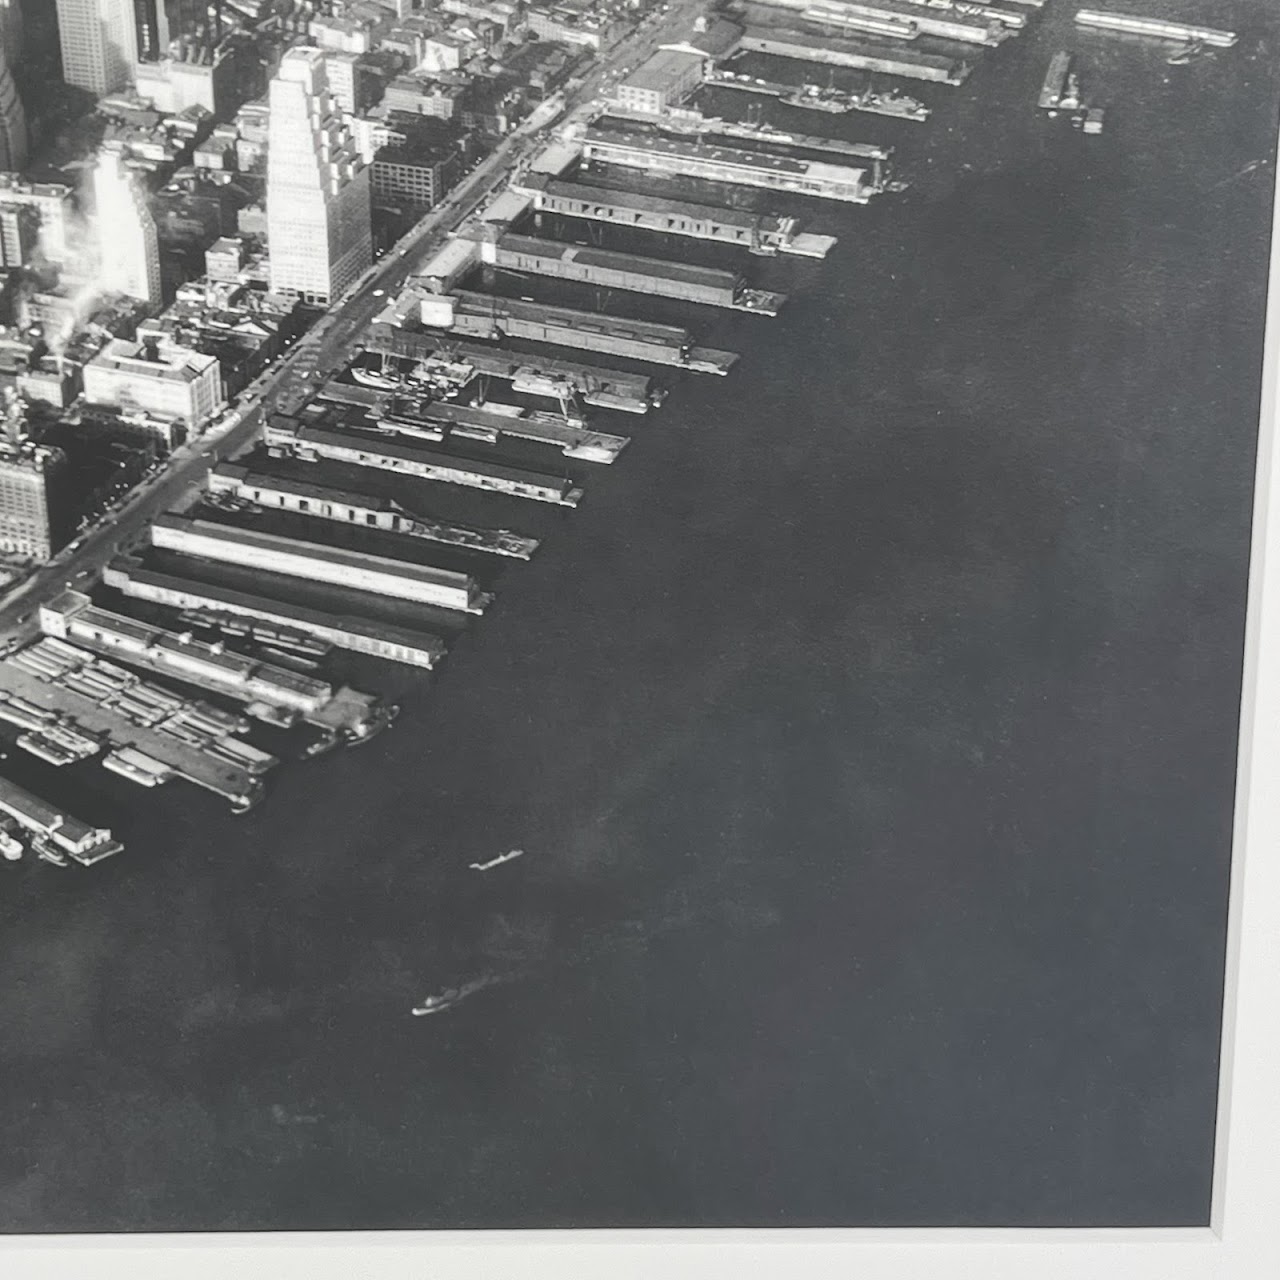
870,730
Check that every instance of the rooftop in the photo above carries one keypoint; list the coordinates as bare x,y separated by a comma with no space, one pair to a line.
610,260
360,561
166,362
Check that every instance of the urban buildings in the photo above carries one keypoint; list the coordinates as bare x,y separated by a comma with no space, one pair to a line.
184,26
52,201
319,233
99,43
663,81
130,248
13,119
167,383
31,524
19,234
415,173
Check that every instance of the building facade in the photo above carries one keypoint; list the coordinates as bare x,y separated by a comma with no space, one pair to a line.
53,202
30,523
187,27
661,82
19,234
130,247
13,120
319,232
99,43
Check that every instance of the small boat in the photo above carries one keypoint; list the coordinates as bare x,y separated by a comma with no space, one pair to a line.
11,848
498,861
378,381
449,997
1188,53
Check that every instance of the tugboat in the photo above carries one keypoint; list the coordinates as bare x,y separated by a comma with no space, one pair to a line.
498,861
449,997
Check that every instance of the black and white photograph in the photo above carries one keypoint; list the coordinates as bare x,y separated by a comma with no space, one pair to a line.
627,615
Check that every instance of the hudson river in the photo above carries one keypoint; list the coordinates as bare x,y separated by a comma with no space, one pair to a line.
870,732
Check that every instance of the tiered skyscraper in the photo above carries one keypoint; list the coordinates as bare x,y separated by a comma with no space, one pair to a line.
99,43
319,236
13,120
126,232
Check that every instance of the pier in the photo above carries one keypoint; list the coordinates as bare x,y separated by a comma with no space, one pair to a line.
475,422
632,273
691,158
764,233
53,828
945,23
859,55
74,618
1156,27
380,640
482,315
287,437
811,96
348,507
541,375
188,755
318,562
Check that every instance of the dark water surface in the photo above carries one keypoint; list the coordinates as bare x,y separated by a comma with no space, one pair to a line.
870,730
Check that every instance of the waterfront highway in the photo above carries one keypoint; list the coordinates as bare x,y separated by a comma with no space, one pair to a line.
324,349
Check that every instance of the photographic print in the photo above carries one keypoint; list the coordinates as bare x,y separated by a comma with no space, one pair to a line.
622,613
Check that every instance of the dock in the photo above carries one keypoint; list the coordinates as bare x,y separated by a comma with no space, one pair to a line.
694,158
357,635
188,756
712,132
483,315
542,375
944,22
632,273
349,507
53,828
893,105
287,437
74,618
762,233
475,422
860,55
319,562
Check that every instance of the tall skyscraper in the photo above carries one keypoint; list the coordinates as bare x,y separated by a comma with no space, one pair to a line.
319,236
13,121
99,43
126,232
